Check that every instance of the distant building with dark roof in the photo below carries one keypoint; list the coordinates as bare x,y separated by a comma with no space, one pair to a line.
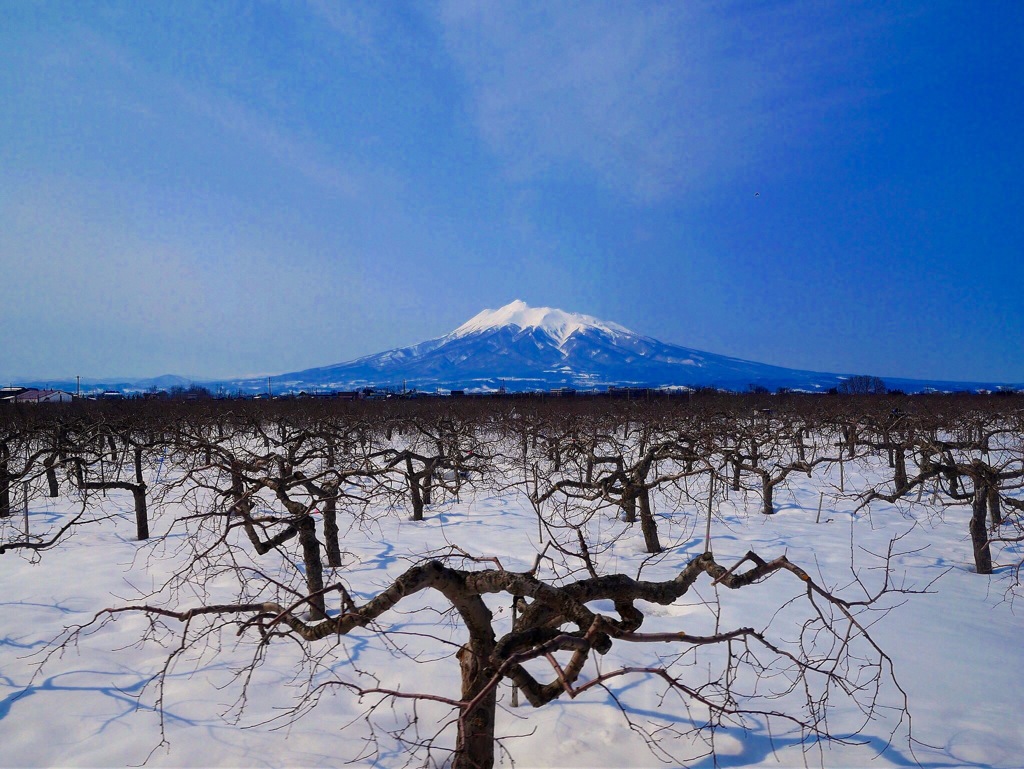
43,396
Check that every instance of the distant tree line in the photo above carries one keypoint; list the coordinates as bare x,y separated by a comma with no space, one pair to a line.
862,385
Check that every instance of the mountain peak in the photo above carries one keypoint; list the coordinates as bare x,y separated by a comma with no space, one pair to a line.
558,324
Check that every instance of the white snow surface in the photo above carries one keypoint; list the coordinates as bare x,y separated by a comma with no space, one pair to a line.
558,324
956,649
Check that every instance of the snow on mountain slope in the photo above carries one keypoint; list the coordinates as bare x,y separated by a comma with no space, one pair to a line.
557,324
527,348
523,348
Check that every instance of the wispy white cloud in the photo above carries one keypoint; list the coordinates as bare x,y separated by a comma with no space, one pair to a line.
358,23
651,98
297,153
156,95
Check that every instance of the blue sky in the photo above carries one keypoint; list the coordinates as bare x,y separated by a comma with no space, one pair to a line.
222,189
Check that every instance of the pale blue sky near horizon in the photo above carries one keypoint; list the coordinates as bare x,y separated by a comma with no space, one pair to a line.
228,189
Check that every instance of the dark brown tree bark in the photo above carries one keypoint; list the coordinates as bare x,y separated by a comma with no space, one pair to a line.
330,513
5,490
474,742
331,534
313,566
900,477
648,526
994,511
51,475
141,511
767,496
979,530
415,495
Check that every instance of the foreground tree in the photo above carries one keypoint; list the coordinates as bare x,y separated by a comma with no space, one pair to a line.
559,626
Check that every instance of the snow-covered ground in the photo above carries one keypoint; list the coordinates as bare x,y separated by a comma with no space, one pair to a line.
956,648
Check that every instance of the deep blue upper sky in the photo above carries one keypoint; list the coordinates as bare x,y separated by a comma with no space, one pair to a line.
218,189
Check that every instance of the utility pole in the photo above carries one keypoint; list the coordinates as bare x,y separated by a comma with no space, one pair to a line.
269,394
78,386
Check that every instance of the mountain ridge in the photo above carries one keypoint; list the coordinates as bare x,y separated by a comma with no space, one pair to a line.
519,348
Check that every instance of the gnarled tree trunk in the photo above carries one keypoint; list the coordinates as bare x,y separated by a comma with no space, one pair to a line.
648,525
979,531
51,475
474,744
331,528
313,565
767,496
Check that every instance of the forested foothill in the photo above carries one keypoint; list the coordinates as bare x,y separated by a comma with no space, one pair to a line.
715,578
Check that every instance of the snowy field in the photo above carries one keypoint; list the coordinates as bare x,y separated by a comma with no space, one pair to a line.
954,640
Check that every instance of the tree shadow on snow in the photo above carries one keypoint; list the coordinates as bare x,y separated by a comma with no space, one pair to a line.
125,695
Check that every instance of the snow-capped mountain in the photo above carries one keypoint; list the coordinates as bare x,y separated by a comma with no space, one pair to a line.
521,348
557,324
